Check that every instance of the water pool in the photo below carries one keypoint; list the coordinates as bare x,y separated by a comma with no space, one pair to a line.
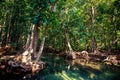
58,68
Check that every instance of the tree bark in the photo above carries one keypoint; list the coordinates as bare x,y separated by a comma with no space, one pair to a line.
32,38
42,45
94,44
70,54
36,35
41,49
69,46
2,29
68,43
27,54
28,39
28,42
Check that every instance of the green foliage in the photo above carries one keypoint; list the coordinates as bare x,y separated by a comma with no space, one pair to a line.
72,17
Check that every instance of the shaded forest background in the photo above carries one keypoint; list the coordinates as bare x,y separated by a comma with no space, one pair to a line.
86,24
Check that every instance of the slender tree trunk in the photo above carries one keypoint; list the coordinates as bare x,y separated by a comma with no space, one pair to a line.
41,49
42,45
94,44
36,35
28,39
28,42
116,40
115,32
2,29
68,44
71,54
104,38
32,38
87,45
11,24
35,42
109,46
116,37
2,32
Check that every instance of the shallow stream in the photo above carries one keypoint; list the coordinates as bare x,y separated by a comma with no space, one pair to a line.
59,68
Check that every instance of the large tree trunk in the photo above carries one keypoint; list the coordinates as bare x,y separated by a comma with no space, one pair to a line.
29,50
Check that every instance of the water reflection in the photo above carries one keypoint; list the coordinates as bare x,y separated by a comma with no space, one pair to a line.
59,68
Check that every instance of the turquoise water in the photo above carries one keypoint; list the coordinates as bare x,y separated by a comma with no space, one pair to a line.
59,68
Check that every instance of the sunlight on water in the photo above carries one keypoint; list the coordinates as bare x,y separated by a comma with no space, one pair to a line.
60,69
92,75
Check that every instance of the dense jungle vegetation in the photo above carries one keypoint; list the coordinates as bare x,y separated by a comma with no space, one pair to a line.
35,30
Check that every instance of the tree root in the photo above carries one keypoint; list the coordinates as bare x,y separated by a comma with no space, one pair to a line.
12,66
111,60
